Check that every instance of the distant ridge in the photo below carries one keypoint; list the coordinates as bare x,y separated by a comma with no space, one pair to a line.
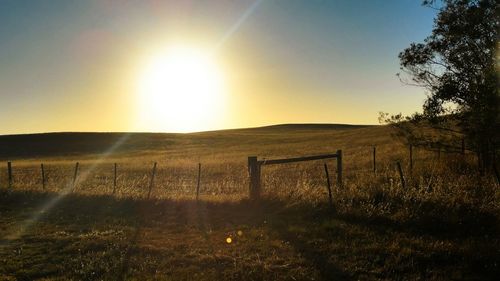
289,127
76,143
294,126
310,126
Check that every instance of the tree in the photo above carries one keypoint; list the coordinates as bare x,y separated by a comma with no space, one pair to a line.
457,65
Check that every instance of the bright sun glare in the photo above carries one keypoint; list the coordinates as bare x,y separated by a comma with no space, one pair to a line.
181,90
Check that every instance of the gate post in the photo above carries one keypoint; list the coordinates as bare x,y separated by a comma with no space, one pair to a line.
9,172
339,167
254,172
374,159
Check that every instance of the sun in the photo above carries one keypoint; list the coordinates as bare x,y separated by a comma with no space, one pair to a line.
180,89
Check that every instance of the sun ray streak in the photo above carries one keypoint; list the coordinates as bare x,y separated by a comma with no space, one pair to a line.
238,23
18,230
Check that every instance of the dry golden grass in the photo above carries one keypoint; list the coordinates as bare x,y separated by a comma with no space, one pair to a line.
223,157
444,222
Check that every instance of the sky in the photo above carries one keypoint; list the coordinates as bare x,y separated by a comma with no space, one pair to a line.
70,65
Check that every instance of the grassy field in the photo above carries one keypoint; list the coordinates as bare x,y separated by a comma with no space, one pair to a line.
444,225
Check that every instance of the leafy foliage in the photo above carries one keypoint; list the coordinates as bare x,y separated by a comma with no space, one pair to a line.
457,65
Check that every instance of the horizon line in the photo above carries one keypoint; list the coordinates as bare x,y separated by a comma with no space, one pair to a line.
193,132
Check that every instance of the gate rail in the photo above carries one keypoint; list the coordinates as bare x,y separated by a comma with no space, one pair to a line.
254,167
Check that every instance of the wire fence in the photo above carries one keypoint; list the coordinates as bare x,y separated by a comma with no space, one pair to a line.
165,179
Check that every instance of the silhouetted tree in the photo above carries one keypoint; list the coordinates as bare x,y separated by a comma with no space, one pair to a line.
457,65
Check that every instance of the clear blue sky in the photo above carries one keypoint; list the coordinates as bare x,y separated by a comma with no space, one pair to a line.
70,65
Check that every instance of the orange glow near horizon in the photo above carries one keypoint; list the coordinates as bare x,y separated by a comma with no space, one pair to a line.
186,66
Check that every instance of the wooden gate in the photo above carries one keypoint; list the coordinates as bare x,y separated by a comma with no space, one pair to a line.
254,166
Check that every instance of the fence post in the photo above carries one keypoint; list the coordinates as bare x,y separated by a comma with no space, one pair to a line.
374,159
152,179
328,185
254,171
198,185
43,176
411,158
9,171
497,175
401,175
114,179
75,175
480,163
339,167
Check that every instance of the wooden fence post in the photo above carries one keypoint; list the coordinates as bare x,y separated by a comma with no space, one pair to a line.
9,171
152,180
75,175
339,167
480,163
43,176
328,186
401,175
198,185
497,175
114,179
411,158
374,159
254,172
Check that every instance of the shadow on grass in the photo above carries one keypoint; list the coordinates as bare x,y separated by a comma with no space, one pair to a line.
425,218
336,246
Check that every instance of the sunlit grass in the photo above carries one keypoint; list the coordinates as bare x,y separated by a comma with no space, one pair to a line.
442,224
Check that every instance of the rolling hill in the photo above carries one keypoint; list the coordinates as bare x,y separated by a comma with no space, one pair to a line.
84,143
